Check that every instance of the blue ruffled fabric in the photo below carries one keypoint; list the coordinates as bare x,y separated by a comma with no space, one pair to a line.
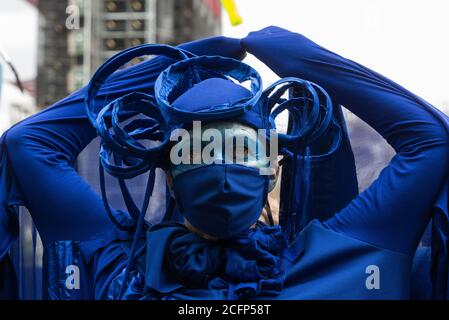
179,261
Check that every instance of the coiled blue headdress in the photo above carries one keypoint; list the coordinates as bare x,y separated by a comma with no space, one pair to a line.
124,155
125,123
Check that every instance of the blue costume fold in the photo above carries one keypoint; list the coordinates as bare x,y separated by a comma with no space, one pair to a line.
383,225
308,269
244,267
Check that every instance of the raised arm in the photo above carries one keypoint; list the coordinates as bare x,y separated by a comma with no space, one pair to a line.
38,155
393,212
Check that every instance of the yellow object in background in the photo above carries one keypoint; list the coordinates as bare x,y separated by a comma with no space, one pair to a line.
233,13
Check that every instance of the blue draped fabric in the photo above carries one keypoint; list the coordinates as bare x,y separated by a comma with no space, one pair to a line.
8,283
320,264
421,284
245,267
333,182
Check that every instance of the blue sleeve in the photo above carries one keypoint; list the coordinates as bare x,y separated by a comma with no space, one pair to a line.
393,212
37,157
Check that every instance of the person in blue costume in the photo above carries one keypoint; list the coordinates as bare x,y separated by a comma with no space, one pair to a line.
365,251
37,158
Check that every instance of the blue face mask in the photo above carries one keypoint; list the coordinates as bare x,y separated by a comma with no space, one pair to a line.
222,200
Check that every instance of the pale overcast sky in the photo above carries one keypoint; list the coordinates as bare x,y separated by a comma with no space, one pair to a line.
406,40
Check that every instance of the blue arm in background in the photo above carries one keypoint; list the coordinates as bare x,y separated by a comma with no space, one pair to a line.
394,211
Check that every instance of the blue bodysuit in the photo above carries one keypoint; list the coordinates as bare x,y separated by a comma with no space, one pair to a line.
378,231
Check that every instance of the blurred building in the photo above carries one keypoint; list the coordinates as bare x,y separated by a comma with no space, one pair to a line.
76,36
15,105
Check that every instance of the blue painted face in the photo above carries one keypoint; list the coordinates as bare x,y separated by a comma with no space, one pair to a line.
216,166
